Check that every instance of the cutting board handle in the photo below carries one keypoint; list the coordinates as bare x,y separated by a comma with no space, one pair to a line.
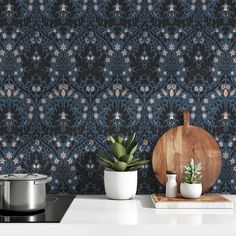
186,117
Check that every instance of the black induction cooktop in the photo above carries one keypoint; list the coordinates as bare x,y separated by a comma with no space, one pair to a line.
56,207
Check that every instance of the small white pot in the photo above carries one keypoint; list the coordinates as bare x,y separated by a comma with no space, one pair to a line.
190,190
120,185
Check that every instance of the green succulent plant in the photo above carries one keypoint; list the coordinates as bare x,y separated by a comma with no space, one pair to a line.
192,173
122,153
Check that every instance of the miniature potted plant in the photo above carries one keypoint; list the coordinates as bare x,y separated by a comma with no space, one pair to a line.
120,175
191,187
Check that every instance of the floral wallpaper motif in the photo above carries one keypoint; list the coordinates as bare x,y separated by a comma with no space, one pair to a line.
74,71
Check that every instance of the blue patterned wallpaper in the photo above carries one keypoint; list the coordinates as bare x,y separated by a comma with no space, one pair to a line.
74,71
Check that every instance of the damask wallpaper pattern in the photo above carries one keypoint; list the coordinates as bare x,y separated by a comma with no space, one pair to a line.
74,71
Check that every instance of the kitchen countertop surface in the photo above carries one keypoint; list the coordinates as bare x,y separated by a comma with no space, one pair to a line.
97,215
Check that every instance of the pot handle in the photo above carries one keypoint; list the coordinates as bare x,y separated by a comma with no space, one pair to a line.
43,181
21,170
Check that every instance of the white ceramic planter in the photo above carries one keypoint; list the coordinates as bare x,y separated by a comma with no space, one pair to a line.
190,190
120,185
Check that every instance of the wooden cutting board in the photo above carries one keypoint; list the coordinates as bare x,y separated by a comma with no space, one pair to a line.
213,201
177,146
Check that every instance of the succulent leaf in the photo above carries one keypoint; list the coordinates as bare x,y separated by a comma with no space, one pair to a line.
133,168
137,162
106,159
119,166
127,158
101,155
130,140
117,150
134,149
131,147
119,139
105,164
112,139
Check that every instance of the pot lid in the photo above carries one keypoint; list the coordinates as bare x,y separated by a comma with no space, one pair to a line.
22,177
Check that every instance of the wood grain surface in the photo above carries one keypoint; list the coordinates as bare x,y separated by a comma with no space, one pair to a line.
178,145
202,198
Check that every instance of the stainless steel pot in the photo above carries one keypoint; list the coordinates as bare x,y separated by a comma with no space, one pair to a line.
23,192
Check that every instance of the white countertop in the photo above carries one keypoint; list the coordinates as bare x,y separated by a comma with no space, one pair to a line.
97,215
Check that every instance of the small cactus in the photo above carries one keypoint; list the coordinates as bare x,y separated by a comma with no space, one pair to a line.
121,156
192,173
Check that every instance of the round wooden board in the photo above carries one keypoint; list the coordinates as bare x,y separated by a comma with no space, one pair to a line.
177,146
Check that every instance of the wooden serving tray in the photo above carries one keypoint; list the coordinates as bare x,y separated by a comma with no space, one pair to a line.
206,201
